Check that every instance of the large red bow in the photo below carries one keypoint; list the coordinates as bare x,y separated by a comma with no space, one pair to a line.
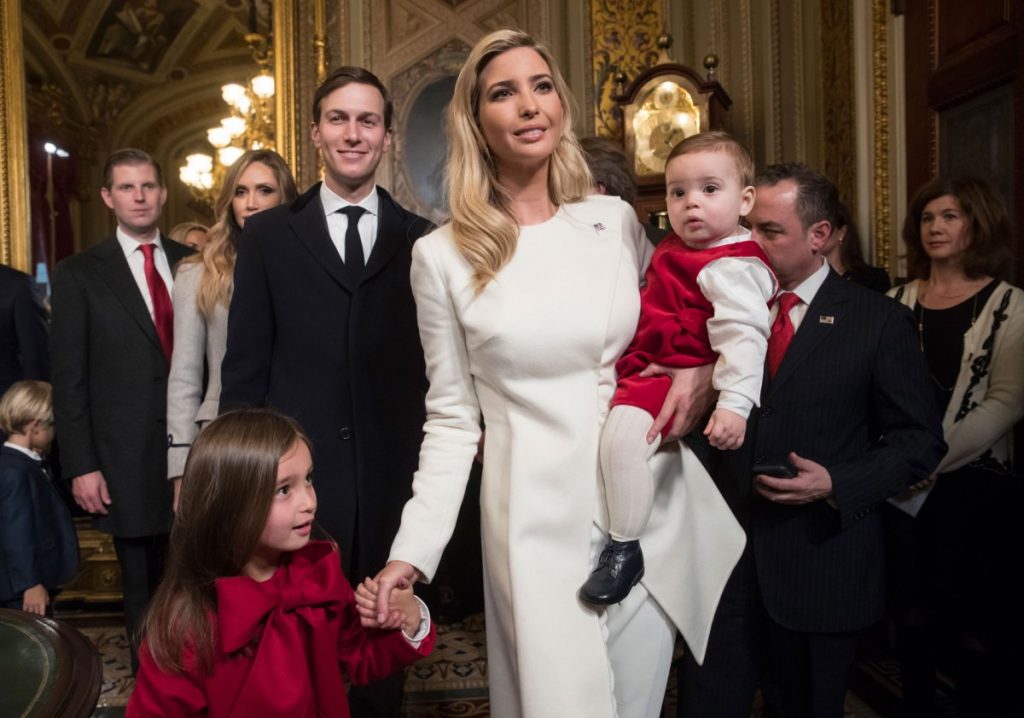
314,580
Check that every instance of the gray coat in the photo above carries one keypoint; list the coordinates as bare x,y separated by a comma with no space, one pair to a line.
196,339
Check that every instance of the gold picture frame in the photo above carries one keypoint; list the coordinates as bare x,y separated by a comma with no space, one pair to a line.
15,242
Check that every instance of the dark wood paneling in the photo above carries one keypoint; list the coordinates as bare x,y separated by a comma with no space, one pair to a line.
957,54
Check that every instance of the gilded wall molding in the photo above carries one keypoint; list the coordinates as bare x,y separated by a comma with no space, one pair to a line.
15,246
776,49
880,103
624,35
838,106
286,107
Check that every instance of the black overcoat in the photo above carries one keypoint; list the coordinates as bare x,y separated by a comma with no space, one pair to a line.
341,357
110,386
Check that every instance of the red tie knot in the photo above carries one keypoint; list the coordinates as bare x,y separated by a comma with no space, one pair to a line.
147,249
787,300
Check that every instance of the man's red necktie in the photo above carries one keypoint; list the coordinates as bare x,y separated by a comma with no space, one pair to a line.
163,310
782,331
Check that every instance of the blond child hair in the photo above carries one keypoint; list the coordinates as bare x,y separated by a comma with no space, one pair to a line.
25,402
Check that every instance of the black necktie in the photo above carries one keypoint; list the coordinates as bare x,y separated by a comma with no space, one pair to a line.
353,244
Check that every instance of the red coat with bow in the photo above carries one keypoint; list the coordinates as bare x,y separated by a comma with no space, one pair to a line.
280,649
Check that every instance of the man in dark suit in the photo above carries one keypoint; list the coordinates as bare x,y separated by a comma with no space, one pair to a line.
846,408
111,345
23,330
322,326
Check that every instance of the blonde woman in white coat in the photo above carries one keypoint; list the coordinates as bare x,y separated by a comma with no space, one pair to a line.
524,301
258,180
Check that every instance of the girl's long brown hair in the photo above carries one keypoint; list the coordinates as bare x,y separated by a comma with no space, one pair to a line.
226,492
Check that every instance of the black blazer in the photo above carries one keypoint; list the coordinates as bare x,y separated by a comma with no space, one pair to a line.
852,394
343,359
110,386
37,539
23,330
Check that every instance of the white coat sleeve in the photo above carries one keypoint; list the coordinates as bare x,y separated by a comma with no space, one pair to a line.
1003,403
185,380
452,429
739,289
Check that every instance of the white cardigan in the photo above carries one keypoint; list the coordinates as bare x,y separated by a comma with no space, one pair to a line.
988,398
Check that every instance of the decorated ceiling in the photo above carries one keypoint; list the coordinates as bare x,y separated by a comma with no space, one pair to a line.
109,73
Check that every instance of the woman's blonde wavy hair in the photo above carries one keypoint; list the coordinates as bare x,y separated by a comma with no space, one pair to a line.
218,257
483,225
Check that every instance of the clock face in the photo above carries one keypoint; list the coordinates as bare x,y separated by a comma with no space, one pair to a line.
665,116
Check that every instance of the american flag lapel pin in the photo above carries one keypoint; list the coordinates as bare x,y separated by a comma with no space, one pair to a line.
826,319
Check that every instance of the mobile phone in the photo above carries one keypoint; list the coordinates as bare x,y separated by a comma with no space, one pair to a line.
778,469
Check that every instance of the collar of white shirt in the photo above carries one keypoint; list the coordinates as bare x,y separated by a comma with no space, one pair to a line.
808,288
130,244
27,452
332,202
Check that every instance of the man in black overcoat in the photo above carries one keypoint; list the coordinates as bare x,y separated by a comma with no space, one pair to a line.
847,409
110,346
23,330
322,326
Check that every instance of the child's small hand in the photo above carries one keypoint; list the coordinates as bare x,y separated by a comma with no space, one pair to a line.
726,429
366,606
35,599
403,599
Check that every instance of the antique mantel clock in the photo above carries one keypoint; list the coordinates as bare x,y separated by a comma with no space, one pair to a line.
663,105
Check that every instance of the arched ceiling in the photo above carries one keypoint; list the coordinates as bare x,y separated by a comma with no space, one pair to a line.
147,73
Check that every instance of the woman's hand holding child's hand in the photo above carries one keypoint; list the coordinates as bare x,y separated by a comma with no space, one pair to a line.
403,611
726,430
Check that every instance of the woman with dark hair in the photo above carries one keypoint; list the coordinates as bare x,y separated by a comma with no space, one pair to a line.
258,180
953,561
843,252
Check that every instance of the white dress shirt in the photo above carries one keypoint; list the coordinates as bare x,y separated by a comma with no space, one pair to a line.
739,289
36,457
132,249
806,290
337,223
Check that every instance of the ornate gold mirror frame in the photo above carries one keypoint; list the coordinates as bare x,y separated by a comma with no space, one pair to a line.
14,204
15,245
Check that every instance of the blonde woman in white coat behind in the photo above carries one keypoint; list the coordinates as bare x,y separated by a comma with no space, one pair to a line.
258,180
524,301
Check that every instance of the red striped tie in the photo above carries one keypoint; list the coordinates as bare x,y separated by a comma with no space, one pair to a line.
163,310
782,331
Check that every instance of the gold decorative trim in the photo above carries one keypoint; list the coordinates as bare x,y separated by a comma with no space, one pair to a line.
880,76
748,71
15,242
286,79
776,88
797,113
624,35
838,95
320,39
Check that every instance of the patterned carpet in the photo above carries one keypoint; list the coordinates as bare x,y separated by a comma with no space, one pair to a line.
451,683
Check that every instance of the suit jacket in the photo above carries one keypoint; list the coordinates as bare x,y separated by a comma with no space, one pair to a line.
23,330
110,386
341,357
37,539
852,394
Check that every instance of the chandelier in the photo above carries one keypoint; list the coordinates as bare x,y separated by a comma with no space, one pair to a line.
249,126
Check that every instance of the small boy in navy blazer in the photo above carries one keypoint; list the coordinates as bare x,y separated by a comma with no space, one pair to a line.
38,546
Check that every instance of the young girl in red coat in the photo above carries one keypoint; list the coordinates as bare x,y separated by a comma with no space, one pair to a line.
706,301
252,618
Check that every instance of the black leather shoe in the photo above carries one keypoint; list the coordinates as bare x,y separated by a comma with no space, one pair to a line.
620,567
